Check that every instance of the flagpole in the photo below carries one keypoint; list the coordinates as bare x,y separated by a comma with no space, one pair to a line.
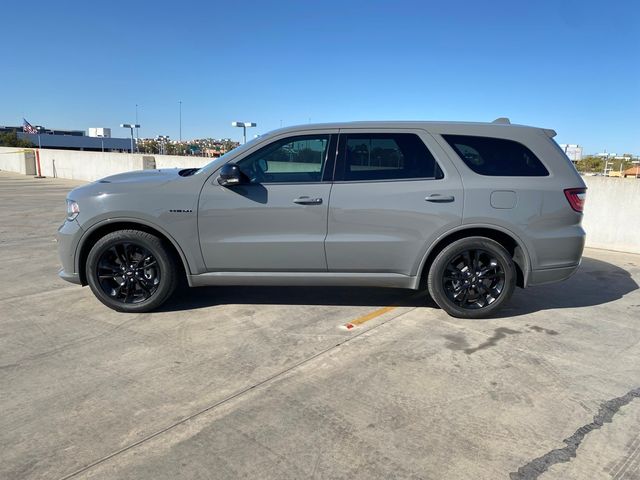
28,128
39,170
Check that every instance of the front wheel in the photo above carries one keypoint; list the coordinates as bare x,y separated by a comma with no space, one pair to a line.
131,271
472,278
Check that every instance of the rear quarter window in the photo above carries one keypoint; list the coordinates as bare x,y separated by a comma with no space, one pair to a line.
496,157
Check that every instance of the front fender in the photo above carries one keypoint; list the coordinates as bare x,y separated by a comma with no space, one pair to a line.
190,257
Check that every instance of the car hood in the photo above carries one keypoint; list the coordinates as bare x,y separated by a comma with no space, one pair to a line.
143,176
127,183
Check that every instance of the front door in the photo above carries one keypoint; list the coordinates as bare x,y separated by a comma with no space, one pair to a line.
277,219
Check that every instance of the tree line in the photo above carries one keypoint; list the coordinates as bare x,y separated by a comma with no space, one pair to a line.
592,164
10,139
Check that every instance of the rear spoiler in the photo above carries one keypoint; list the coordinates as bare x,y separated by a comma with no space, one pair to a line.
505,121
502,121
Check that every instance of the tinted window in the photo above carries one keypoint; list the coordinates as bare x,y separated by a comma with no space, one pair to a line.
496,156
390,156
293,159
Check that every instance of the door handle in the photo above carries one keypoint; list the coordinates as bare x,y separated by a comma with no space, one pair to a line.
308,201
437,198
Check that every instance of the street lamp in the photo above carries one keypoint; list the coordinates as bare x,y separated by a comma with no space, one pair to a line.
137,132
130,126
244,126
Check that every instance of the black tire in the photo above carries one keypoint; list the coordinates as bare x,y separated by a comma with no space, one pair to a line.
472,277
132,271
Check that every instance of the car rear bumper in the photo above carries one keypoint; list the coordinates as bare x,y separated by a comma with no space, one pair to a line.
551,275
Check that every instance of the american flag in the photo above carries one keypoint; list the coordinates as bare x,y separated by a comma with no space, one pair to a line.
27,127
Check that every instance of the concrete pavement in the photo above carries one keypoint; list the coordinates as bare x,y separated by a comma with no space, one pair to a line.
264,383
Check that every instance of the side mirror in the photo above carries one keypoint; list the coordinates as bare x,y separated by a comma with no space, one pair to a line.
230,175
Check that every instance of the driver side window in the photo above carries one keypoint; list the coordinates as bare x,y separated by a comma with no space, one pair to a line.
292,159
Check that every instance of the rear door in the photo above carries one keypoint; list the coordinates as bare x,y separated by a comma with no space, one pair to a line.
394,192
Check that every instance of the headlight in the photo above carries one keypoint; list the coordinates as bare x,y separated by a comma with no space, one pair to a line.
72,210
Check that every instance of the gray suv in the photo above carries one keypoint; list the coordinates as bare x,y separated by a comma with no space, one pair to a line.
468,211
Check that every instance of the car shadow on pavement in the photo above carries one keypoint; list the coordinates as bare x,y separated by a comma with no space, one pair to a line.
201,297
595,283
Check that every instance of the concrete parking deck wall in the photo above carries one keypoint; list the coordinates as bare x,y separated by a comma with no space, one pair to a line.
612,215
17,160
174,161
90,166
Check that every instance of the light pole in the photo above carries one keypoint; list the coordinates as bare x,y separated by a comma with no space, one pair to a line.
130,126
180,102
137,133
244,126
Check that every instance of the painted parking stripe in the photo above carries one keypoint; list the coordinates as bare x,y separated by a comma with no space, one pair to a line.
365,318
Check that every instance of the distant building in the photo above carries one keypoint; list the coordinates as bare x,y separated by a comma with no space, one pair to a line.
73,139
100,132
574,152
632,172
45,131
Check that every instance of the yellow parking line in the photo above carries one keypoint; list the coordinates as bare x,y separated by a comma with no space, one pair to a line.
367,317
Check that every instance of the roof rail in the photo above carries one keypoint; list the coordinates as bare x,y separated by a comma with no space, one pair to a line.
502,120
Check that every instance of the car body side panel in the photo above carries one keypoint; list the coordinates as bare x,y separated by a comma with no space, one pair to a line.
259,227
525,263
186,256
385,226
539,214
168,205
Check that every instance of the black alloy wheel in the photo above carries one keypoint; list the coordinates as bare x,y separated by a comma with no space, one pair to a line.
472,277
132,271
128,272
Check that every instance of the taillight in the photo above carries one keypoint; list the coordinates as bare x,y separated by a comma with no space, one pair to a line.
576,197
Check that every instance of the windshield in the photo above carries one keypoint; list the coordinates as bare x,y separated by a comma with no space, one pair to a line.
213,165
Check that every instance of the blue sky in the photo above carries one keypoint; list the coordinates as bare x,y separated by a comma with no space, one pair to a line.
573,66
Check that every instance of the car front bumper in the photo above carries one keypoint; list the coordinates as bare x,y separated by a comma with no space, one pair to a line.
68,237
70,277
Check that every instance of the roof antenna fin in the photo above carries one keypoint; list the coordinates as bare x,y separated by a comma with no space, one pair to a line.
502,120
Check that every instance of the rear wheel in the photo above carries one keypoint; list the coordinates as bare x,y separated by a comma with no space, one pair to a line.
472,278
131,271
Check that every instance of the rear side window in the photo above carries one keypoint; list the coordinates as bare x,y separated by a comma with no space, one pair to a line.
385,156
496,156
